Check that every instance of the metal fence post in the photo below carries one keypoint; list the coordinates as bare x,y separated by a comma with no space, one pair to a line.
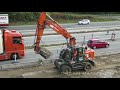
92,36
15,58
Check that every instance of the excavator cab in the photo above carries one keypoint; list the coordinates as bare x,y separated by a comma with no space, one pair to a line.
72,42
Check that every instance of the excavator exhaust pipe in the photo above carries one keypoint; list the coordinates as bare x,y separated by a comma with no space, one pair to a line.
45,53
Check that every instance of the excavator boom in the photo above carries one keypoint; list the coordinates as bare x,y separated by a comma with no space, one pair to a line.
57,28
42,22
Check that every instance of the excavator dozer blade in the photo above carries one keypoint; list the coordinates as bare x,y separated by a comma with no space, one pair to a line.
45,53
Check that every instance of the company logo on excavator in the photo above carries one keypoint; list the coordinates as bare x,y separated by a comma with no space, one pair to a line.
54,27
51,26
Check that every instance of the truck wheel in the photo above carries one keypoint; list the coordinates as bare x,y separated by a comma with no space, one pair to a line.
107,46
87,66
13,56
94,47
65,68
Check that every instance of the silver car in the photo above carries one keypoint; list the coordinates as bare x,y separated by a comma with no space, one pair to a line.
84,22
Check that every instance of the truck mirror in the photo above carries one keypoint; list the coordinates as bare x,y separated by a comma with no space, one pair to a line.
20,42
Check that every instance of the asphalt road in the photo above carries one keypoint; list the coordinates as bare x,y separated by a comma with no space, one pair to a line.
58,39
30,29
92,24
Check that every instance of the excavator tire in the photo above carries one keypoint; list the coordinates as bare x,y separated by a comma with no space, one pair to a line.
55,62
87,66
65,69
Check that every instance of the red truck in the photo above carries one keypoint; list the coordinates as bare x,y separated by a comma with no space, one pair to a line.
11,44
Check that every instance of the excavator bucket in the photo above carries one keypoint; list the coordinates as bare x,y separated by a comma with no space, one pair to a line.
45,53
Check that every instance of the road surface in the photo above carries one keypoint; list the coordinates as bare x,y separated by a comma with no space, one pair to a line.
30,29
71,25
58,39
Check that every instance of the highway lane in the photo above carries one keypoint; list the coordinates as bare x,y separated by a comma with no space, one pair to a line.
70,25
58,39
30,29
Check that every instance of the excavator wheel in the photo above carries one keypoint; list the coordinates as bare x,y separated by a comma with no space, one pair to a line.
65,69
87,66
55,62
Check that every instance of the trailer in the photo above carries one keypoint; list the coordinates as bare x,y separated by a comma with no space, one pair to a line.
4,20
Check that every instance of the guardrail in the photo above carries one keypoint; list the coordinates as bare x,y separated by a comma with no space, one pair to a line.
76,31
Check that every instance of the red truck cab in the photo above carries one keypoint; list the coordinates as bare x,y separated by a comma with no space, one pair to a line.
11,44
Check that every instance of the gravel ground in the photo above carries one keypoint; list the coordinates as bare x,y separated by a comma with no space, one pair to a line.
107,66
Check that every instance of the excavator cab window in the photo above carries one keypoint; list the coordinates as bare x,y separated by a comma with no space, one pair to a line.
81,54
66,55
81,50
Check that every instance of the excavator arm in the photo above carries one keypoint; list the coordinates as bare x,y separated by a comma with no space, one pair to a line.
39,31
42,22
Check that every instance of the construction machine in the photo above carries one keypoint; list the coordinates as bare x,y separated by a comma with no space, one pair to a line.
73,57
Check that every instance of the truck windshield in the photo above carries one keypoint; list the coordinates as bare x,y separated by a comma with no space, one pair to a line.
17,40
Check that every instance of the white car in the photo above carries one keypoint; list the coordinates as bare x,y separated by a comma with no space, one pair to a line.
84,22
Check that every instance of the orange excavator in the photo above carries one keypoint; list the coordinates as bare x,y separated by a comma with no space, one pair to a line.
73,57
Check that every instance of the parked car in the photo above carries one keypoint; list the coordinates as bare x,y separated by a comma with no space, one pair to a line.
97,43
84,22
